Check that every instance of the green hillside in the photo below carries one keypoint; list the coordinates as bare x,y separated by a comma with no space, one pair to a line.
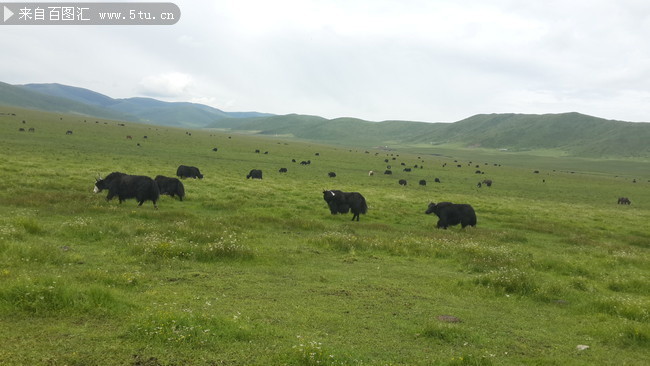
258,272
568,134
23,98
74,100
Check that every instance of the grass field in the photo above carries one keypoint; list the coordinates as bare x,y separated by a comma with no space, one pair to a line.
257,272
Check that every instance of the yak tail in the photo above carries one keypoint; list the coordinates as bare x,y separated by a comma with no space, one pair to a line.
364,206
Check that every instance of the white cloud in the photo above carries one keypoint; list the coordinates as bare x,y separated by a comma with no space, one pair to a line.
425,60
168,85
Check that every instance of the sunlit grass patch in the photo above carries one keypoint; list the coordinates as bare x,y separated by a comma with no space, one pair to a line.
470,360
55,296
632,308
212,247
635,336
30,225
630,285
227,245
485,257
189,329
402,245
37,252
448,333
311,353
509,281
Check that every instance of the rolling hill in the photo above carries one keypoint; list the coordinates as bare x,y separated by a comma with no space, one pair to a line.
572,133
569,133
69,99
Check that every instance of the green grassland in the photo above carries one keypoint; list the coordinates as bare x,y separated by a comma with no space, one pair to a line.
257,272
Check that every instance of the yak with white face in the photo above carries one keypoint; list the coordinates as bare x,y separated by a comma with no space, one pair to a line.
343,202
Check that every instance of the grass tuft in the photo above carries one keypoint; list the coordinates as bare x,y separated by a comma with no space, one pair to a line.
188,329
509,281
51,296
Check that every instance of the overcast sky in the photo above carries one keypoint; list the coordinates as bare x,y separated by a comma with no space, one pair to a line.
421,60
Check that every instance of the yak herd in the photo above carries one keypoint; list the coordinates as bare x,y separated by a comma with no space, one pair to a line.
143,188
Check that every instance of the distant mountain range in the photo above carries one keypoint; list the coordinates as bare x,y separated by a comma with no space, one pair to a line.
69,99
571,133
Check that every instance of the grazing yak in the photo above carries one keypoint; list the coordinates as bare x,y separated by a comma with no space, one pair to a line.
624,201
170,186
342,202
487,182
255,174
185,171
423,182
331,175
126,186
450,214
402,182
282,170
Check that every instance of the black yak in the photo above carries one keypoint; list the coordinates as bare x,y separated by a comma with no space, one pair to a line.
402,182
126,186
170,186
342,202
423,182
255,174
450,214
185,171
624,201
331,175
282,170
